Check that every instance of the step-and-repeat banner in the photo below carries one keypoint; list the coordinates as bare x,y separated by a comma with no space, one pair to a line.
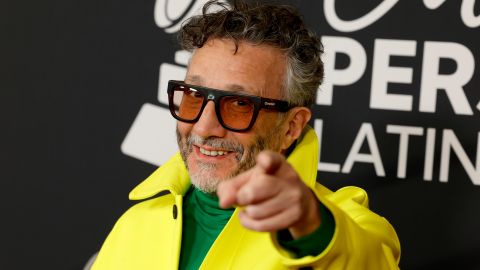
84,92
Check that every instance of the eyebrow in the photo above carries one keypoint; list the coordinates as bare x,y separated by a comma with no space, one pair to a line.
236,88
194,79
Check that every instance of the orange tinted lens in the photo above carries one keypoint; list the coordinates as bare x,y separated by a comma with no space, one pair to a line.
188,102
236,112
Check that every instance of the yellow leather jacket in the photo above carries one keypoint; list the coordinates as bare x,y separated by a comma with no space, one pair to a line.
148,235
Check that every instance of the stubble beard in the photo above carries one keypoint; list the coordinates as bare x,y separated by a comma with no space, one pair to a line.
204,178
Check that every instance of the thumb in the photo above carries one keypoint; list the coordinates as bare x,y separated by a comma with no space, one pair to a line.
269,161
227,190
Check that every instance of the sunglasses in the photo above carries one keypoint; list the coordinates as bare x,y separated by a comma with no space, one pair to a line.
235,112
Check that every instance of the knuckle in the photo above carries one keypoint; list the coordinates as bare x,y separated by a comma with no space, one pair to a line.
295,196
298,213
285,222
253,212
295,213
245,196
251,224
259,227
297,193
268,182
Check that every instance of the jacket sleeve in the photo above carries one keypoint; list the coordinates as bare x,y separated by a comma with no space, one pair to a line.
362,239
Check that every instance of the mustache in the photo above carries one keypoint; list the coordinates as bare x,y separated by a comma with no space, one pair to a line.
215,143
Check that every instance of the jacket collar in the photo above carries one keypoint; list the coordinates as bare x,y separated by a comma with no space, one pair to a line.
173,175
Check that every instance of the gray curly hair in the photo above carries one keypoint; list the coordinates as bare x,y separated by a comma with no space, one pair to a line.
279,26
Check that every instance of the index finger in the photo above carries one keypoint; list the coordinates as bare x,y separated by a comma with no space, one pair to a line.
270,161
227,190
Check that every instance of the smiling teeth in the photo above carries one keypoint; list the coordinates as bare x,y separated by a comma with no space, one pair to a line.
212,153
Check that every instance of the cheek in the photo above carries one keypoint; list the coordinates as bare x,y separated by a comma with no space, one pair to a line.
270,133
183,129
267,123
183,132
245,139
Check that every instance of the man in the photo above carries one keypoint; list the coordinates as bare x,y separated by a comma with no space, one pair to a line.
241,194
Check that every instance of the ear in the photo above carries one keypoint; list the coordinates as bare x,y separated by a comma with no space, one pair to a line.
293,125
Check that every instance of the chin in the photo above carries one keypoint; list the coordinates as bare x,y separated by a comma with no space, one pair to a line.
205,183
206,177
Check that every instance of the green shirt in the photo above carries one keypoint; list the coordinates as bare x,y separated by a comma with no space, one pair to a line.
203,220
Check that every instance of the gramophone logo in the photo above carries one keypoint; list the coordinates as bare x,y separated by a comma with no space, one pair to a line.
151,137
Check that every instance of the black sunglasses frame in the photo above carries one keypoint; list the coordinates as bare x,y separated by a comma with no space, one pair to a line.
210,94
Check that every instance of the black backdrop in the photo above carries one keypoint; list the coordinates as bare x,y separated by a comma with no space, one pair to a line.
82,120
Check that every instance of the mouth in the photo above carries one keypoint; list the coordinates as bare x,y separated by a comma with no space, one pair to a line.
213,153
213,150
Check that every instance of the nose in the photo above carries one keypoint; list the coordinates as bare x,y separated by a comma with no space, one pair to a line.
208,124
